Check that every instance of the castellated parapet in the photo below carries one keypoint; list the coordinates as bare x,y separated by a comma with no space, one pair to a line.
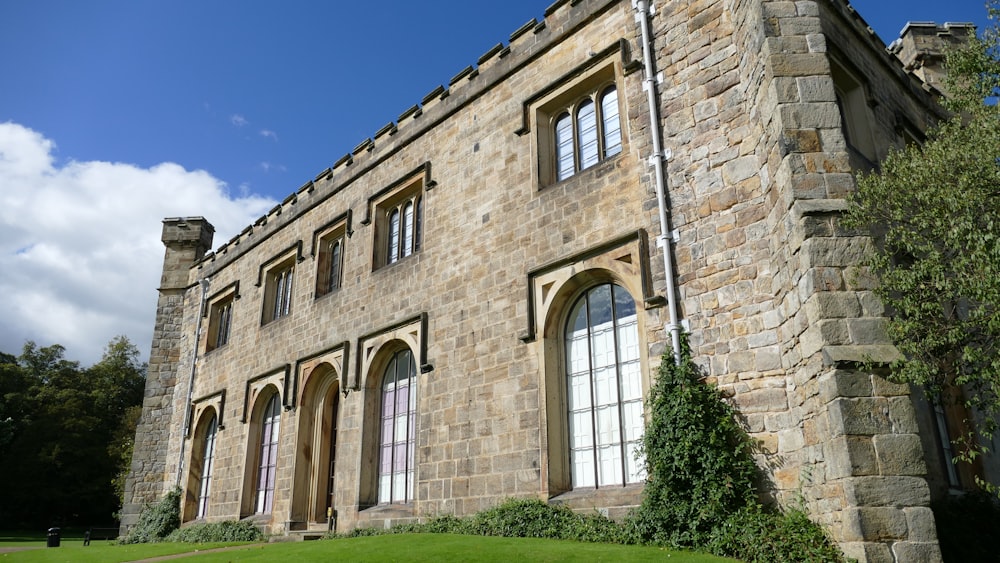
427,358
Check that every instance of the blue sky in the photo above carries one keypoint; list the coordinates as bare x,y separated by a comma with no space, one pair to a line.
122,112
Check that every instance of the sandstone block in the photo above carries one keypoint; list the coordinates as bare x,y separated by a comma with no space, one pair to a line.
860,416
900,454
848,456
874,524
882,490
917,552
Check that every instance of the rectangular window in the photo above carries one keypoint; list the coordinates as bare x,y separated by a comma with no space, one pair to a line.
278,291
330,261
220,323
399,223
852,101
578,122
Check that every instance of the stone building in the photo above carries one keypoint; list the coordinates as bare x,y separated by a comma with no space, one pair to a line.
470,305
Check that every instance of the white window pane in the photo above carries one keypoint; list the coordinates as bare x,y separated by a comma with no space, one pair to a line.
586,125
583,468
608,430
606,386
631,381
384,489
393,250
564,147
611,123
579,391
581,430
399,487
407,228
634,423
610,465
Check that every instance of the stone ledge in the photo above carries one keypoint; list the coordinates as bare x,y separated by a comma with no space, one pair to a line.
854,356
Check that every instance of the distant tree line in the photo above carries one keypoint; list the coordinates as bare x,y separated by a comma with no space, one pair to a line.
66,435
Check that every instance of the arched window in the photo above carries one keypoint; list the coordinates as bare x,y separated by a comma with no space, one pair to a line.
407,228
397,436
612,126
205,487
604,388
268,455
592,134
586,126
393,254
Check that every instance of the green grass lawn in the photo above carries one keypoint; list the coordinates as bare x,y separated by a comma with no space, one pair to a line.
399,547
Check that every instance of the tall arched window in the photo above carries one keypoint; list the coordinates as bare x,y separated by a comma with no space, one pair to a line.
604,388
398,427
205,487
268,455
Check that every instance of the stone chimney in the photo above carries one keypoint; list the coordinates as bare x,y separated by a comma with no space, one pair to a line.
921,47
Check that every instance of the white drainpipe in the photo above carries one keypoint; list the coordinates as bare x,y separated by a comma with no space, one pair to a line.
194,366
657,159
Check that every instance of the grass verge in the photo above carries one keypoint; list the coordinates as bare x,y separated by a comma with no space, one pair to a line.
401,547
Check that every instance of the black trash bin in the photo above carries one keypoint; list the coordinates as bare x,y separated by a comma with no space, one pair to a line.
53,540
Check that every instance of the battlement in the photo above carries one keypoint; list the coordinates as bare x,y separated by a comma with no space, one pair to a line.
525,44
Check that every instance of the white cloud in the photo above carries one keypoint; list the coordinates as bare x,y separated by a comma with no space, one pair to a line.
80,250
238,120
268,133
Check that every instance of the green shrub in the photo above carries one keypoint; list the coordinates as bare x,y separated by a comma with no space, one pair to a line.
156,521
968,527
228,531
534,518
513,518
756,535
697,458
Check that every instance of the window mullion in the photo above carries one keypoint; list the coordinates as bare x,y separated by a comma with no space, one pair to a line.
618,388
593,396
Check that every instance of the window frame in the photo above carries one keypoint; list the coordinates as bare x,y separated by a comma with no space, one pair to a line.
392,228
625,445
330,267
389,475
265,472
589,84
207,463
220,310
581,157
277,276
854,102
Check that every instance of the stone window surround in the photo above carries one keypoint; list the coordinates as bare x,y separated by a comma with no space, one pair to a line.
374,350
854,101
552,291
213,310
203,410
318,379
267,278
589,79
258,392
338,228
415,183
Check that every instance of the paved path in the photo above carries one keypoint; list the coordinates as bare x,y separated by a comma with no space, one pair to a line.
13,549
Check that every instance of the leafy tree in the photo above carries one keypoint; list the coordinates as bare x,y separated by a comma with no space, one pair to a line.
934,212
56,423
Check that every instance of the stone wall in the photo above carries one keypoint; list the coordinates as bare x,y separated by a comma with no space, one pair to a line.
152,474
779,313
